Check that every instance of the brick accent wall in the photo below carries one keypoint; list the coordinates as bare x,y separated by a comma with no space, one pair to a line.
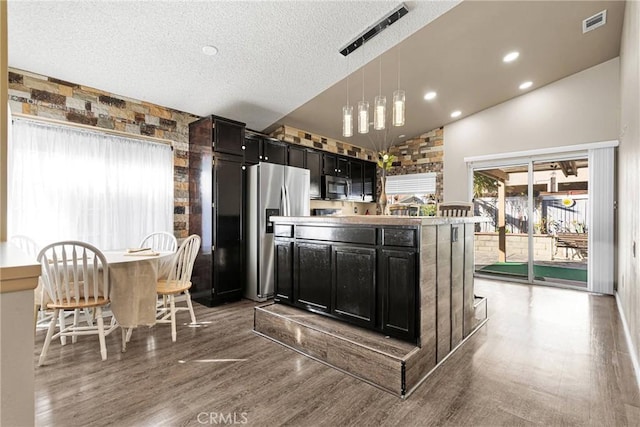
420,154
48,97
301,137
424,153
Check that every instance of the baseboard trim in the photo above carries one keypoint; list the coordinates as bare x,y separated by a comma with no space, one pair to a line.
627,334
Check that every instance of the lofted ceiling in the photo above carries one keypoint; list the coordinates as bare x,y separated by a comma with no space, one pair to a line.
278,61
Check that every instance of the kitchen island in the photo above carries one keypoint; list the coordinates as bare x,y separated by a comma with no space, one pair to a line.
405,282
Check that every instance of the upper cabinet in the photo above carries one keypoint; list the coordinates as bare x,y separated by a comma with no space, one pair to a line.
228,136
313,162
335,165
274,151
297,156
258,148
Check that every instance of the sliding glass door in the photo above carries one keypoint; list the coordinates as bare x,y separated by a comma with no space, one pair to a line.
502,248
538,213
560,232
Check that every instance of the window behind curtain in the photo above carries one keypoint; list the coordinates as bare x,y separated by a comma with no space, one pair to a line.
68,183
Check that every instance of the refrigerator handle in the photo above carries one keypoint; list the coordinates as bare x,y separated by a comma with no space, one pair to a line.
283,201
287,201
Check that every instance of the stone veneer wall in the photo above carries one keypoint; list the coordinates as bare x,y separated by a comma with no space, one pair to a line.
301,137
48,97
423,153
419,155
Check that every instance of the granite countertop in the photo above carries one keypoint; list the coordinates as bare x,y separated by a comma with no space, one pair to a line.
378,220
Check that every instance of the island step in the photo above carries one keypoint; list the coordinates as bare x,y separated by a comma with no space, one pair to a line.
367,355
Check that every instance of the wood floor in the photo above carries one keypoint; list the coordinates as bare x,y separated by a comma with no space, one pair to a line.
546,356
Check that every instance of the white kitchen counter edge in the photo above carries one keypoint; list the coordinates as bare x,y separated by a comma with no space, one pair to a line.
18,272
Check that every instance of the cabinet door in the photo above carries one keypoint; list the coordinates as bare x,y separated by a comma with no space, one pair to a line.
252,150
342,169
357,180
296,156
370,181
274,151
228,137
312,288
314,164
329,164
398,293
354,278
283,270
228,210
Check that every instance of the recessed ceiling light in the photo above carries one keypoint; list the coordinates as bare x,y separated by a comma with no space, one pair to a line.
430,95
511,56
456,113
209,50
525,85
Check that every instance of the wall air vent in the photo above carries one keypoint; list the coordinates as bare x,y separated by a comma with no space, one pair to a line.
595,21
375,29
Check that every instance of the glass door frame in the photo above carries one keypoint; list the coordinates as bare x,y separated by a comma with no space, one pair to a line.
529,161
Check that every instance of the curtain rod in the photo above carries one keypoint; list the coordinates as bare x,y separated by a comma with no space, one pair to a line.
93,128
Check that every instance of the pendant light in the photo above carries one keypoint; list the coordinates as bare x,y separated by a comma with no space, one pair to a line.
380,104
347,112
398,101
363,111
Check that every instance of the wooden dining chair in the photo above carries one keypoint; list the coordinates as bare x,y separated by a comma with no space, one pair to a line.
178,283
160,241
75,276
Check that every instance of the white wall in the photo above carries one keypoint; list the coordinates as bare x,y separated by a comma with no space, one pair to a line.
577,109
629,175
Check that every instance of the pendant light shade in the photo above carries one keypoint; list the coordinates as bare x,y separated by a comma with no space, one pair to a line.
379,112
347,120
363,117
398,108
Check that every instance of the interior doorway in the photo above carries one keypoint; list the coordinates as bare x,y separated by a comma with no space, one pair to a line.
539,221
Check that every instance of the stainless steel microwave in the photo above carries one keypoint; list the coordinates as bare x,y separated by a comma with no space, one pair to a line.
335,187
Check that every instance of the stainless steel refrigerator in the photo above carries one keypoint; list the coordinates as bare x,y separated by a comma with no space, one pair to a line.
273,190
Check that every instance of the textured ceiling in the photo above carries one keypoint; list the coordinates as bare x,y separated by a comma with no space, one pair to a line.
278,61
273,55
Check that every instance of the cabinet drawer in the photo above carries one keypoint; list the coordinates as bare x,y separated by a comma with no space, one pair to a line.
283,230
399,237
364,236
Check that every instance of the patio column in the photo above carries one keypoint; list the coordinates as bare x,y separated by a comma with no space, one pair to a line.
502,235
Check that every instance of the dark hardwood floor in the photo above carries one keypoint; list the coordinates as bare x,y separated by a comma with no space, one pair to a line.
546,356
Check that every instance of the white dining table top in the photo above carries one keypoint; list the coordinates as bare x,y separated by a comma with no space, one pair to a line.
121,256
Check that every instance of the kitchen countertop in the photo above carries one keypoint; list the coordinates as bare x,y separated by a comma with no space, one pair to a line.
378,220
18,272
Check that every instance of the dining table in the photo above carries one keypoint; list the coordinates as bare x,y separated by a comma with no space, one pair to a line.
133,277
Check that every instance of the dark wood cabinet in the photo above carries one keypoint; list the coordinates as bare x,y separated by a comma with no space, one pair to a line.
343,167
216,202
314,164
252,149
274,151
258,148
228,136
356,173
313,271
297,156
354,273
329,164
370,180
397,294
284,273
365,275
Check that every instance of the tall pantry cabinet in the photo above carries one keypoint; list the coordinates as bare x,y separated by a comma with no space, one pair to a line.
216,182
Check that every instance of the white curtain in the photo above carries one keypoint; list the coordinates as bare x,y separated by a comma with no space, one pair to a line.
76,184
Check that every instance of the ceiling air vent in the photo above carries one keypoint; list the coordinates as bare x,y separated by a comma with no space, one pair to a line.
595,21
